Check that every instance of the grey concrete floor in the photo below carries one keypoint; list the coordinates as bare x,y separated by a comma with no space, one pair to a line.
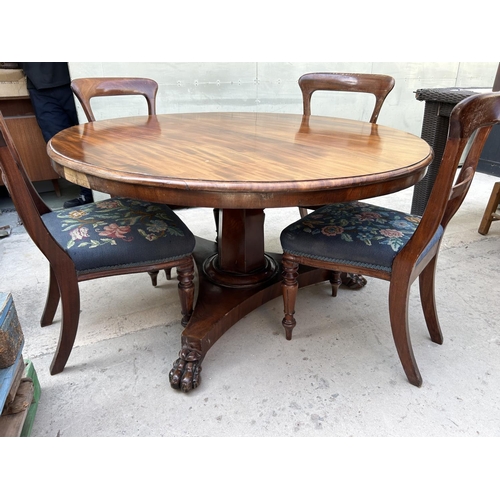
340,376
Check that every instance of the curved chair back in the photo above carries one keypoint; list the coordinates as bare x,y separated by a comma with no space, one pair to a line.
378,85
470,124
87,88
389,244
58,235
29,205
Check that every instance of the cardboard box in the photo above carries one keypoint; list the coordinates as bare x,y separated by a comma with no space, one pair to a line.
13,83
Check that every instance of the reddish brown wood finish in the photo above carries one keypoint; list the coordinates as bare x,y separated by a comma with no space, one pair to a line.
64,278
476,113
239,160
378,85
86,89
241,163
491,213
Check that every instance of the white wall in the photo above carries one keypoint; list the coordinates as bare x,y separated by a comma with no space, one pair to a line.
246,86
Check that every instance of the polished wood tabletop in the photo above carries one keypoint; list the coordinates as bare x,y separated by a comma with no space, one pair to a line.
239,164
239,160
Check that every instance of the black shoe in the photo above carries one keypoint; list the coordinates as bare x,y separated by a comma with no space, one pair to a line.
76,202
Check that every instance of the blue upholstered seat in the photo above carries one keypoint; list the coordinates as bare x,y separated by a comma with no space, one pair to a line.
119,233
353,233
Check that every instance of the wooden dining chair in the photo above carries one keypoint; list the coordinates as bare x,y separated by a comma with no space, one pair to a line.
378,85
87,89
107,238
392,245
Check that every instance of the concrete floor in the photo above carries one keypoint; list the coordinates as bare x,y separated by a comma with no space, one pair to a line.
340,376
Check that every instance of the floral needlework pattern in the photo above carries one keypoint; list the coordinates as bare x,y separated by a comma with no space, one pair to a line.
368,224
353,233
110,221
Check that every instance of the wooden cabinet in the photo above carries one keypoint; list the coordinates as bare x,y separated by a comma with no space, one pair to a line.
20,117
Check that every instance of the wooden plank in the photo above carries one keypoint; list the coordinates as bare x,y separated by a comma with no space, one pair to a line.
11,422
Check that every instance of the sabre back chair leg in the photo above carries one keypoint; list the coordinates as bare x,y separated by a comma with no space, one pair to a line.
52,301
428,300
70,302
398,312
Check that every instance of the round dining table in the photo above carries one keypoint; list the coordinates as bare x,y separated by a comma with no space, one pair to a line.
239,164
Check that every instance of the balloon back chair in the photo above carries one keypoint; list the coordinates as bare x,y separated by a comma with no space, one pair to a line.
112,237
388,244
86,89
378,85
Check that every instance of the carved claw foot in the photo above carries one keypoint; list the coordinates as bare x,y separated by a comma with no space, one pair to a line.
185,375
353,281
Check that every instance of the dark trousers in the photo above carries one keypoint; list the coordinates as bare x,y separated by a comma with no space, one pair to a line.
55,110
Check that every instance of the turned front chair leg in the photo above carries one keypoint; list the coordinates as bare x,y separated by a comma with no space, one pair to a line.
289,288
185,276
335,281
154,277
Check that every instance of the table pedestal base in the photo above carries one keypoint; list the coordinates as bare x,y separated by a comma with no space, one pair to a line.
219,277
218,308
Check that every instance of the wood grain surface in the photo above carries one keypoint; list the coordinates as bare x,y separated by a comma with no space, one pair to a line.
239,160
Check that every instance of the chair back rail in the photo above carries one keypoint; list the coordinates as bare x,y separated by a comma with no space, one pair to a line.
470,124
378,85
87,88
29,205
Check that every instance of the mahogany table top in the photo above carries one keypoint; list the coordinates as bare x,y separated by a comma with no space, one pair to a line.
239,160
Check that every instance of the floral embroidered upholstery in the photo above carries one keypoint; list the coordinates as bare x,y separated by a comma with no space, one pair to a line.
356,232
119,232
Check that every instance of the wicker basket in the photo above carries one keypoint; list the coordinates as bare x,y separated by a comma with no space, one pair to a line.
438,106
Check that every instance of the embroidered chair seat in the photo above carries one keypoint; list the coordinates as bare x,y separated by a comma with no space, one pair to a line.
354,233
119,233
